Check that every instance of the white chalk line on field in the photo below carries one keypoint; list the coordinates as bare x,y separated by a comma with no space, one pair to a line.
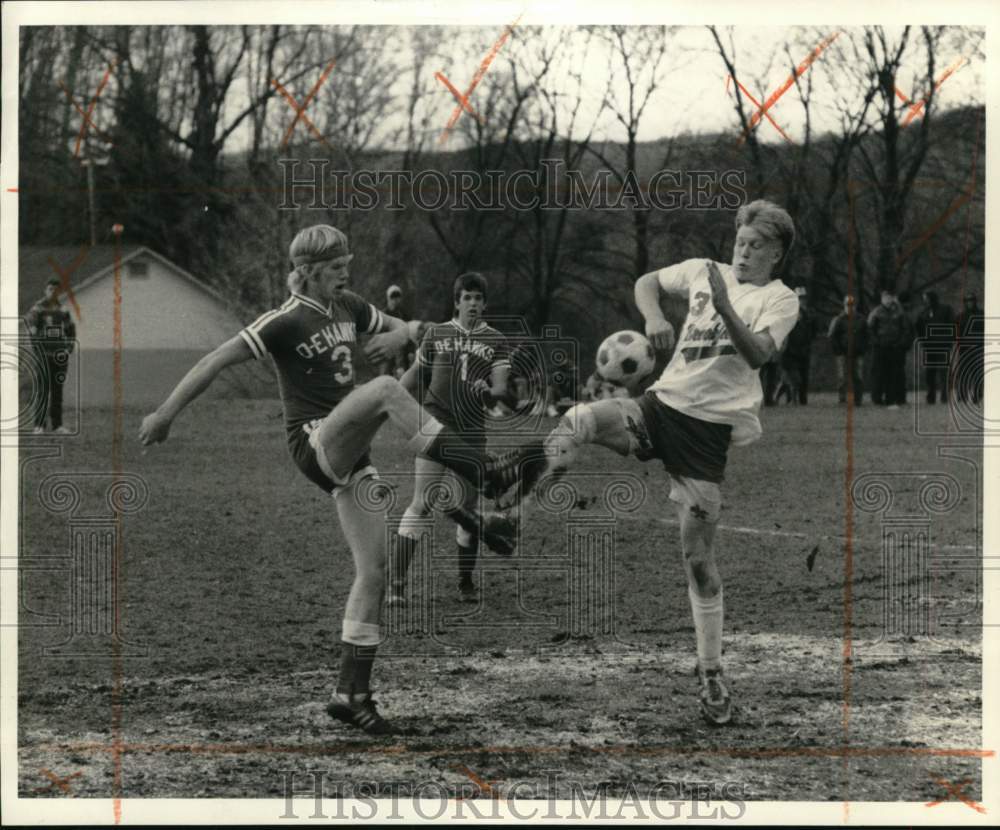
791,534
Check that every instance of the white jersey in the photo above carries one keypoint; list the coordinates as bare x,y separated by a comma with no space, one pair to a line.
707,378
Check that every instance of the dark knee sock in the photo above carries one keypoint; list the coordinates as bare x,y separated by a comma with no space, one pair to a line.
400,558
355,669
467,561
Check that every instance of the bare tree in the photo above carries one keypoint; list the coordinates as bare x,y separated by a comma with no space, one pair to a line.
637,68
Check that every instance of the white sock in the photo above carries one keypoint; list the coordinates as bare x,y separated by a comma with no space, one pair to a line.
707,615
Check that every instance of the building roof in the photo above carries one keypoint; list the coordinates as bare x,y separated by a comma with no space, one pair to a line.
85,264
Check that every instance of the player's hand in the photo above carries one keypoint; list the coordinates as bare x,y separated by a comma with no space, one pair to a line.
660,334
382,347
483,392
720,294
154,429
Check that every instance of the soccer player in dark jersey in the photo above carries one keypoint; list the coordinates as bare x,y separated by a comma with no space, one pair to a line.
461,369
312,339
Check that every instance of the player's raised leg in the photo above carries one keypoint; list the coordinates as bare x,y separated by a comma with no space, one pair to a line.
616,424
350,428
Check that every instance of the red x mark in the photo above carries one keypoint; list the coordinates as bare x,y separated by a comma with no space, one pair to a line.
757,104
958,791
61,783
781,90
64,286
87,120
463,100
918,107
300,112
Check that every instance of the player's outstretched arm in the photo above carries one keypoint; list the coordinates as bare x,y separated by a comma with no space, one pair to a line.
156,426
647,300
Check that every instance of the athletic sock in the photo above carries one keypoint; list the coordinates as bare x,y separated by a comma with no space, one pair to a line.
707,615
466,562
401,555
355,669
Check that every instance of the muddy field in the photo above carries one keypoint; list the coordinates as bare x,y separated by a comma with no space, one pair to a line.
575,670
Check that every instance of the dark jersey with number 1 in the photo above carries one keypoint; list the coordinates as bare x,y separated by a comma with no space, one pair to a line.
314,350
453,358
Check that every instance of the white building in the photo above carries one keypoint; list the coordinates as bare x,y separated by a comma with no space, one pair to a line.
168,319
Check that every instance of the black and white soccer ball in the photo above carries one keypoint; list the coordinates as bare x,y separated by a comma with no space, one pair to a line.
625,358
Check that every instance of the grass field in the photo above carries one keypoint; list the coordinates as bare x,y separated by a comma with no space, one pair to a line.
235,574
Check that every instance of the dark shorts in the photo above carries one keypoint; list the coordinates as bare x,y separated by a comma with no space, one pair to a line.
304,457
687,446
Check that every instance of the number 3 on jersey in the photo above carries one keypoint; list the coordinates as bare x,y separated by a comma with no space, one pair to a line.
342,353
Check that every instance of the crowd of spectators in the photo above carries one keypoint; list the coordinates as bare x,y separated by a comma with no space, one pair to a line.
876,346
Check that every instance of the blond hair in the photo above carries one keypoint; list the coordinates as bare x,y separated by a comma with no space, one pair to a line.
771,221
318,243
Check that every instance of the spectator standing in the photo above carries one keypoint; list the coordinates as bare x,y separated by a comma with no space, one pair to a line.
935,332
891,336
969,361
796,357
52,334
770,378
400,361
848,335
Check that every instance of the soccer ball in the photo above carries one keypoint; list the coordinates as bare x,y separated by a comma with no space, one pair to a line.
625,358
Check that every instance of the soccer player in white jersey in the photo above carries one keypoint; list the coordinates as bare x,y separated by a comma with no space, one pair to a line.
330,423
708,396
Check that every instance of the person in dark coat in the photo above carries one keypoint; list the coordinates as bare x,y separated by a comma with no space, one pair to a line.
53,336
969,369
848,335
935,333
797,356
891,335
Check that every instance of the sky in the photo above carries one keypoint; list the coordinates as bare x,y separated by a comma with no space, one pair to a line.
693,95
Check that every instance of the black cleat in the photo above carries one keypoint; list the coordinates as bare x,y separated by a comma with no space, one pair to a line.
523,465
497,530
361,714
501,472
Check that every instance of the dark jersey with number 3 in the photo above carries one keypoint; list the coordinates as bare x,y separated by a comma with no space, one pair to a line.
314,350
455,358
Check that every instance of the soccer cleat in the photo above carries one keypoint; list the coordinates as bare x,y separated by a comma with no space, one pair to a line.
397,595
467,592
503,470
38,431
716,703
61,431
361,713
497,530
